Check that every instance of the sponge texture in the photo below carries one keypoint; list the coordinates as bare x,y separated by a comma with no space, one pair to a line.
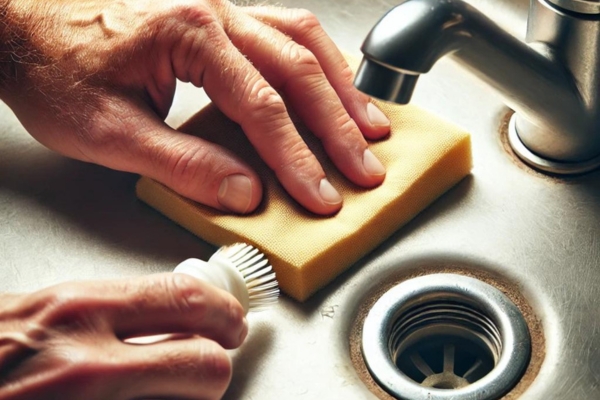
424,157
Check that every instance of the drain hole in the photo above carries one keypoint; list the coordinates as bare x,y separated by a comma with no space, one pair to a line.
445,337
444,345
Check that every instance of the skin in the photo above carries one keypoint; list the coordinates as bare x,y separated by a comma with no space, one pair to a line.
99,76
66,341
94,80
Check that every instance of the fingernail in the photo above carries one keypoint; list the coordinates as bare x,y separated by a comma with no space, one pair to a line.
328,192
244,331
376,116
235,193
372,165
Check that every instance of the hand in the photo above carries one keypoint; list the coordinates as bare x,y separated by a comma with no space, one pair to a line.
94,80
66,342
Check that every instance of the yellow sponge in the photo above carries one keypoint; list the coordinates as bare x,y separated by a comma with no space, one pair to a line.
424,157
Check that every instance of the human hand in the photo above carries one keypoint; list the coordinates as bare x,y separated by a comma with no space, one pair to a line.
66,342
94,80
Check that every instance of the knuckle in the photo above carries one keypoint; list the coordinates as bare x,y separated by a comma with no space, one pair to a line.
265,102
301,60
189,167
189,13
235,313
183,19
187,28
60,303
347,128
185,294
346,74
305,21
301,160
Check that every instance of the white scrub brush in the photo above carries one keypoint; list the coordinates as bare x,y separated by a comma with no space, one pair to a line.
241,270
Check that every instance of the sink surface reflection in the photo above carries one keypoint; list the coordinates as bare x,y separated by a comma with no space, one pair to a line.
537,231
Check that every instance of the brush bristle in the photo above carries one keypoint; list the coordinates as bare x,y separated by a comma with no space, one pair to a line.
263,288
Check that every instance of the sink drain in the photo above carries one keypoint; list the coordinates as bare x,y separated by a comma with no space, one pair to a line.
445,336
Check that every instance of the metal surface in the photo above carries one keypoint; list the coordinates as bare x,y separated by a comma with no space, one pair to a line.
543,164
579,6
62,220
456,307
550,83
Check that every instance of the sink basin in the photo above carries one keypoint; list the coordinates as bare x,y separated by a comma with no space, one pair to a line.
539,232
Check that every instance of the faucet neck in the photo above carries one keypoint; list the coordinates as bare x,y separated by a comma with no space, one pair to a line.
551,82
412,36
591,7
573,40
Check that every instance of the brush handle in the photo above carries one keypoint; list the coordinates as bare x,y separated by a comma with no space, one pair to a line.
219,272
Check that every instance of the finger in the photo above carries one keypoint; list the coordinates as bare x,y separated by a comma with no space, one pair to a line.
294,69
149,305
237,88
93,367
200,170
195,168
303,27
193,368
177,303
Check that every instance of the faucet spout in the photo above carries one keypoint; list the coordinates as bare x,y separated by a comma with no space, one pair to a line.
557,119
406,42
385,82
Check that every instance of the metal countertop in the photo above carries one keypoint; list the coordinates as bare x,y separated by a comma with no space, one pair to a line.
65,220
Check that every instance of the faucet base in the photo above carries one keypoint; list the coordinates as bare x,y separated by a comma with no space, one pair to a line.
543,164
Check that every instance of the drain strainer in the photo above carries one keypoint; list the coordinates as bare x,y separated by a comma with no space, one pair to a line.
445,336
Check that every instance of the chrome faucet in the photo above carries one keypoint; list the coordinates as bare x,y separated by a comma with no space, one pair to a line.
552,82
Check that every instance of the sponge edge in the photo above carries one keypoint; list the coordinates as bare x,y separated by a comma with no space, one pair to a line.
424,157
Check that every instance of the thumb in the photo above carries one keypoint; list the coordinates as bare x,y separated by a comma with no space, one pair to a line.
197,169
200,170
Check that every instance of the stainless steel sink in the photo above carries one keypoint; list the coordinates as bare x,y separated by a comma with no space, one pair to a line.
63,220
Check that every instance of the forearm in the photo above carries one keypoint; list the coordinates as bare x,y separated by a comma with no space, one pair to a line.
8,45
16,47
